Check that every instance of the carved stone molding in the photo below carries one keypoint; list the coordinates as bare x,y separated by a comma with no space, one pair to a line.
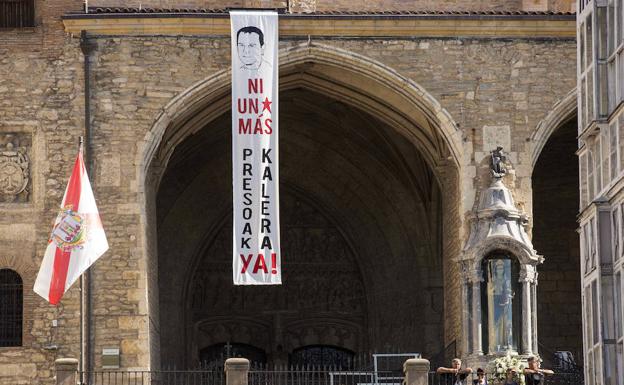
498,225
15,168
528,273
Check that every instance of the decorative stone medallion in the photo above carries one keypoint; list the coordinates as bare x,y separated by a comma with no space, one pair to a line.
14,168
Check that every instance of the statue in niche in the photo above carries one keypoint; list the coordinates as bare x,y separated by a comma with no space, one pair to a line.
498,159
500,301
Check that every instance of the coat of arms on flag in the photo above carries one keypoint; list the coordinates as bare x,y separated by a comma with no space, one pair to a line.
77,239
69,232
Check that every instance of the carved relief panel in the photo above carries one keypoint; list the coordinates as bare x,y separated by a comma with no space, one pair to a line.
15,181
322,293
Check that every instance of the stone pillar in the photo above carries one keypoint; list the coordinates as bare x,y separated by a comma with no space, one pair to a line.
527,277
477,326
66,370
534,313
527,318
416,371
465,317
236,371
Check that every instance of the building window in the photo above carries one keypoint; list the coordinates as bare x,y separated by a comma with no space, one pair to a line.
588,248
583,188
615,217
501,304
11,310
322,355
613,150
215,355
17,13
604,147
590,176
619,328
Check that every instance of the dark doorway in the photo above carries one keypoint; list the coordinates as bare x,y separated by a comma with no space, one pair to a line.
555,207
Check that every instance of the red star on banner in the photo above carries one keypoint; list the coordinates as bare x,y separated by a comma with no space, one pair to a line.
266,105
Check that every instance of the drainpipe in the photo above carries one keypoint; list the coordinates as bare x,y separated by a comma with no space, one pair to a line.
87,47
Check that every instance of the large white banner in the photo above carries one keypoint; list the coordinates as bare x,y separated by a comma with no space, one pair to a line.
257,259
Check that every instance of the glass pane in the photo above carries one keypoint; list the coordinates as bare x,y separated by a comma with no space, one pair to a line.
588,321
615,216
604,141
500,297
595,327
612,85
590,175
590,97
618,19
582,48
620,360
583,184
598,366
594,244
588,240
597,165
618,305
620,76
613,147
588,41
603,90
607,44
621,142
583,113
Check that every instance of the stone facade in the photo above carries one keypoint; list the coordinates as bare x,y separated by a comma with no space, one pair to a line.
443,105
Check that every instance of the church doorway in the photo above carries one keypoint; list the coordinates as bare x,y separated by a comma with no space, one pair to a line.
555,207
360,224
370,219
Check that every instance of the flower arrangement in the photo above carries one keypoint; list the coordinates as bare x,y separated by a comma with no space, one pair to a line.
497,368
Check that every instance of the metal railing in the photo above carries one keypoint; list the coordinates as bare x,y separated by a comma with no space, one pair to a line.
555,379
17,13
321,375
163,377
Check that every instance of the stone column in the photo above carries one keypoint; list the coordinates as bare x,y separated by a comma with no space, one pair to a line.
527,274
527,322
66,370
236,371
534,313
416,371
465,317
477,327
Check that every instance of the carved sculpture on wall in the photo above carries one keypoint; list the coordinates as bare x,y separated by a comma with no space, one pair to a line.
14,168
322,287
498,160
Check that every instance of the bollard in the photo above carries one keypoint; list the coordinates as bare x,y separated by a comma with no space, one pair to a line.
66,370
416,371
236,371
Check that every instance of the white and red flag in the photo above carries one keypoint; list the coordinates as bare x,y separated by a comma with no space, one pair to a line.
77,239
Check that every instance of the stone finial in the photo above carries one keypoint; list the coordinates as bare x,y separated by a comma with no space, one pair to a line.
236,371
66,370
416,371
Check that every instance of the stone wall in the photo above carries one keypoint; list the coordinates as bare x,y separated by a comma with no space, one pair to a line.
491,87
306,6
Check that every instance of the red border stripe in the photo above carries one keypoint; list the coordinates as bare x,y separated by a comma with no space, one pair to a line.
61,258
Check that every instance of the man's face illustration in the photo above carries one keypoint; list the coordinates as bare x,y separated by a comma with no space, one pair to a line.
249,49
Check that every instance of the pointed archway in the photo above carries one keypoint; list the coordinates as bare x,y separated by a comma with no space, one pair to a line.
410,143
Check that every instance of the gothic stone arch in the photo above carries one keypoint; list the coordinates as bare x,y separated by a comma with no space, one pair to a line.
354,79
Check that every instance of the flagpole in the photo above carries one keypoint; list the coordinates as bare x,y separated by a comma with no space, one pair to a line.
82,304
87,46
